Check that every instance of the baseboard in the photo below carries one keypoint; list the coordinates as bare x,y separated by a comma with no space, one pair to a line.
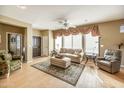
29,61
122,65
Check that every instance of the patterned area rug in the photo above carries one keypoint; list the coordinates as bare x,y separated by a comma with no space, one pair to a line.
69,75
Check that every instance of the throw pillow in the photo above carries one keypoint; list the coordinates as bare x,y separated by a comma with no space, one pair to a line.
76,53
58,56
108,58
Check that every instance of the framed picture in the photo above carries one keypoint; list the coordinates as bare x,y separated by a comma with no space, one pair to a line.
0,38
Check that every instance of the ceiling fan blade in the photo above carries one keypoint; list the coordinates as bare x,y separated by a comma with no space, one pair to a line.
60,21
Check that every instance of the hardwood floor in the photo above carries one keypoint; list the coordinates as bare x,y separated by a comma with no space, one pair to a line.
92,77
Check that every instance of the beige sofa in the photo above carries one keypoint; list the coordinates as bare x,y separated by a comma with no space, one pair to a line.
76,55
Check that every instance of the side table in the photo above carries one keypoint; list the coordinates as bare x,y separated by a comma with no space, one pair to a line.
91,56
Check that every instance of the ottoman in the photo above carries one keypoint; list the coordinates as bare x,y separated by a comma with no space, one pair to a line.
60,62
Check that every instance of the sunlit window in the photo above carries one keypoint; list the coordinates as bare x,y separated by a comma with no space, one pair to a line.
58,43
77,41
67,41
91,44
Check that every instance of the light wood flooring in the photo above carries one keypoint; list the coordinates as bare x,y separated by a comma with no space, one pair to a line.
91,77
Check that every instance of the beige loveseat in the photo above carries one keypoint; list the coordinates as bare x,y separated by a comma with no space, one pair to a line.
76,55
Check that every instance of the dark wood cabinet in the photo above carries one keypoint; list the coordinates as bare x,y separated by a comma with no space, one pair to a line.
36,46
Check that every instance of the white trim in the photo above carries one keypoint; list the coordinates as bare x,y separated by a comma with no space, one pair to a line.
28,61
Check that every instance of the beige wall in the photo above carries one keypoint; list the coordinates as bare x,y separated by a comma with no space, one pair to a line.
37,32
28,34
4,28
45,37
111,36
51,41
44,34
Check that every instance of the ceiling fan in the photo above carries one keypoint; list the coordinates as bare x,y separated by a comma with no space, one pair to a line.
65,24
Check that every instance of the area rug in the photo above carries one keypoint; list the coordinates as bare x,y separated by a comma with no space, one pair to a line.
69,75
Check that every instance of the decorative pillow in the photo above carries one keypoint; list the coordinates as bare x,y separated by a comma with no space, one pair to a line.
58,56
108,58
75,52
64,50
71,51
61,50
108,52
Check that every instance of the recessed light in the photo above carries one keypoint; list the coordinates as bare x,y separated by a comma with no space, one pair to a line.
21,7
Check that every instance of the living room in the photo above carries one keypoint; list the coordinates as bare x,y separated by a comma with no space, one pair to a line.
61,46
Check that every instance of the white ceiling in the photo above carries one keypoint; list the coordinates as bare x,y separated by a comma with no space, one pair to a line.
47,16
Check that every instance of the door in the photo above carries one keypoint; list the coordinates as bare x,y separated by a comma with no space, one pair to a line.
36,46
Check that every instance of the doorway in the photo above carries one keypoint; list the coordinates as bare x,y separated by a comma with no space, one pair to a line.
36,46
14,44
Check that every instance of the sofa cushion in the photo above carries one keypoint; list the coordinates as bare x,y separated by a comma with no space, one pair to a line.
105,63
14,62
63,50
74,54
108,52
78,50
71,51
69,55
117,55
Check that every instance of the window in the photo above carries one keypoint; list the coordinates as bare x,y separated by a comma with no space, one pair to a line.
58,43
73,41
77,41
67,41
91,44
122,29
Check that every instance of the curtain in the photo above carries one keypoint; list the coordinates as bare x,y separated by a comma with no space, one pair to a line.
95,31
74,31
66,32
57,33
